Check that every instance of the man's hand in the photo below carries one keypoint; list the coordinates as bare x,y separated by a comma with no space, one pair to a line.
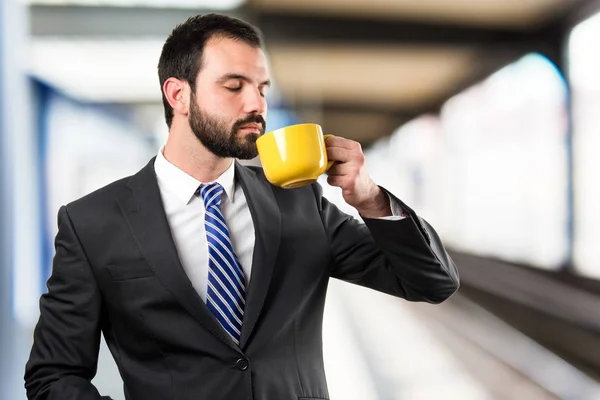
350,173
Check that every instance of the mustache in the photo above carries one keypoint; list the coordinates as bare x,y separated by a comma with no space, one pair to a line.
252,118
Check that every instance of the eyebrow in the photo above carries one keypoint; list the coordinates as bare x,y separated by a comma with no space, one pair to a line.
227,77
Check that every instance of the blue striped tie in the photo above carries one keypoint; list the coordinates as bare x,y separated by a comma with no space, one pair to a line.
226,283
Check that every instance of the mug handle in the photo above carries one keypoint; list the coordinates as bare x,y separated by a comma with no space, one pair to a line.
329,163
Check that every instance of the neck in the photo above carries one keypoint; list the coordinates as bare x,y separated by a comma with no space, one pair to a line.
186,152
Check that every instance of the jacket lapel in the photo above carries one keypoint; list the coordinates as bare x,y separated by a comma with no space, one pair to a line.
267,226
144,212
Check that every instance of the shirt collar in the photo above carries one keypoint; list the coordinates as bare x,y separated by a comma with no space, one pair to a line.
184,186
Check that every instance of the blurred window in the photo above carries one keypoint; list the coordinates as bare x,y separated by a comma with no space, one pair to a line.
584,75
507,162
411,164
84,147
491,172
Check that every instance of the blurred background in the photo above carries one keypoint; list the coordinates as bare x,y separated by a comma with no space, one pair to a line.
482,115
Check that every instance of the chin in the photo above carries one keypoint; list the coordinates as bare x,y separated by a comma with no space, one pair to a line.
249,137
249,134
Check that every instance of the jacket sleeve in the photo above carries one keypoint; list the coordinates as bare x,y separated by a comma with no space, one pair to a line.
404,258
64,354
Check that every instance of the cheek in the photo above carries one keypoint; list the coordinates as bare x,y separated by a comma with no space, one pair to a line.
216,109
224,107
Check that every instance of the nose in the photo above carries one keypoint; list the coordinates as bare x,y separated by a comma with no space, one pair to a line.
254,102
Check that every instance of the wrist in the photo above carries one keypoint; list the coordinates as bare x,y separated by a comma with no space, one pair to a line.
377,206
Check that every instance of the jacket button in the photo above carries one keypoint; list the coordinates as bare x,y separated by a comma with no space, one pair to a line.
242,364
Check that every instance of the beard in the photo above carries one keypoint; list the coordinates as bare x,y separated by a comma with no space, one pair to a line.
222,140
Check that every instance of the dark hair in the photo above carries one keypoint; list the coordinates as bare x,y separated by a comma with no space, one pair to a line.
181,55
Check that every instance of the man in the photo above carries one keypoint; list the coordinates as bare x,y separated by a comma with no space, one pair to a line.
206,281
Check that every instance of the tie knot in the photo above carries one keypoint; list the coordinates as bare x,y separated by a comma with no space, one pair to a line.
211,194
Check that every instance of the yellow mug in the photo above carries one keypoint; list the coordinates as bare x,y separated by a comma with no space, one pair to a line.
293,156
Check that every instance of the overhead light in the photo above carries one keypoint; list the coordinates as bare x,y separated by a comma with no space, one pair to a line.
200,4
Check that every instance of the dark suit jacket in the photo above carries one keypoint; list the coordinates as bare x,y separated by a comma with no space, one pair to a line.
117,271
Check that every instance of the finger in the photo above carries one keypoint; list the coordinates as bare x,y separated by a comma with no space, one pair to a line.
343,169
340,181
342,155
334,180
339,154
338,141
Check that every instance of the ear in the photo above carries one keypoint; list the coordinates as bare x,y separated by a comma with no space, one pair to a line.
177,93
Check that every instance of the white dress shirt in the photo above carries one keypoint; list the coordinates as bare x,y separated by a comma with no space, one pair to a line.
185,213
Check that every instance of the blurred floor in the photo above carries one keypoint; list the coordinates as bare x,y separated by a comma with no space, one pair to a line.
413,356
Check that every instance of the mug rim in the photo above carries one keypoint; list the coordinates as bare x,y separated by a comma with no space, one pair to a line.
289,126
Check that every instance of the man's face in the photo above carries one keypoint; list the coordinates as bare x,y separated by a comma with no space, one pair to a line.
228,108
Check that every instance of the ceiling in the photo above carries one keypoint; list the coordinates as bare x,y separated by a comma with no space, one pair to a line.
359,68
513,13
372,76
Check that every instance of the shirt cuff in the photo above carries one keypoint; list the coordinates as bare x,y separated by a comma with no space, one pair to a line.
397,212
